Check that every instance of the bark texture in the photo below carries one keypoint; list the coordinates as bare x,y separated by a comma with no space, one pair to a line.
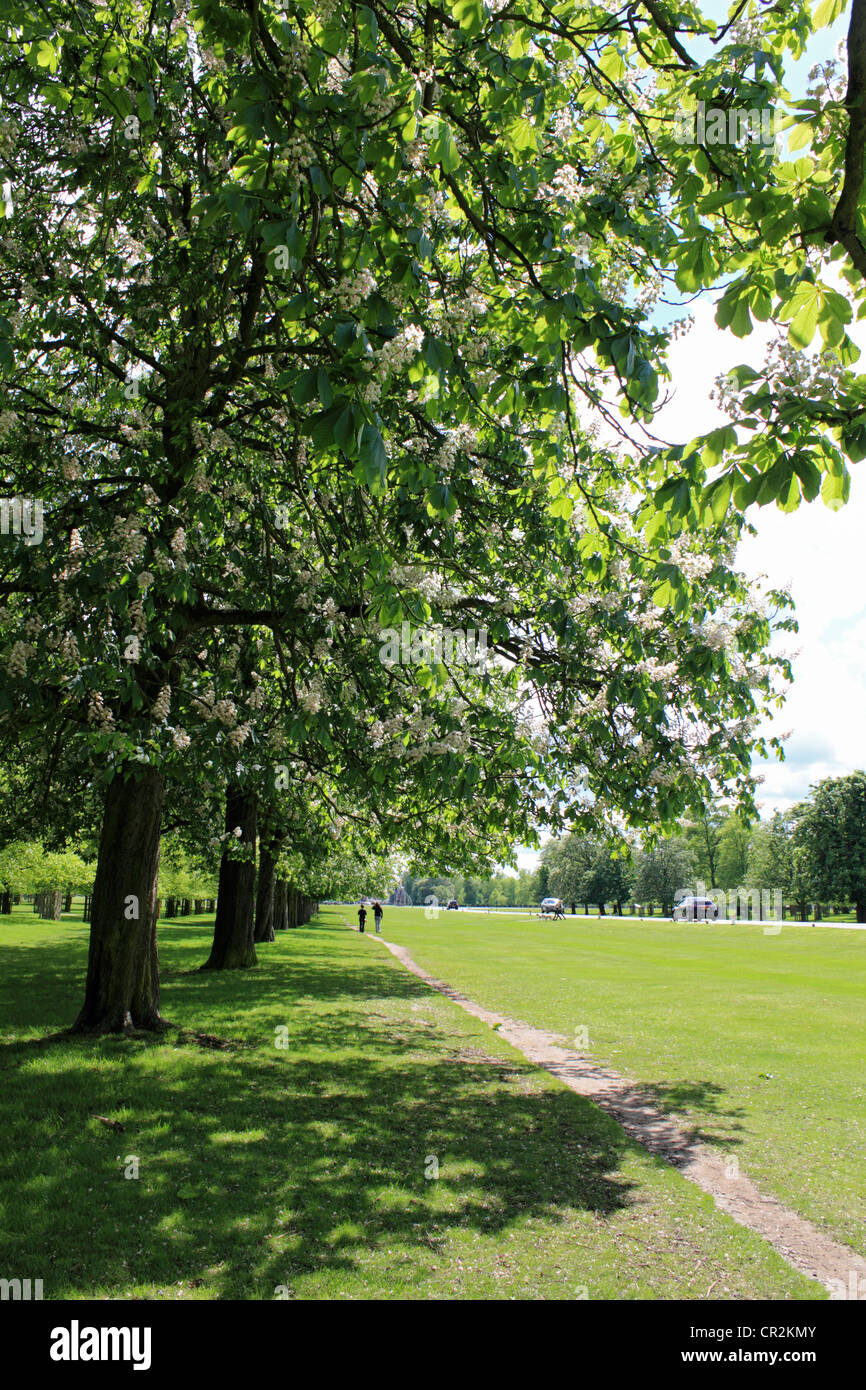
265,894
280,905
233,947
122,989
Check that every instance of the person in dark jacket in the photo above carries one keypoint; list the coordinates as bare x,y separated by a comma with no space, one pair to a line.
377,913
362,917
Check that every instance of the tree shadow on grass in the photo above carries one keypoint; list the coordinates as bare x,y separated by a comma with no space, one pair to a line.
683,1097
260,1167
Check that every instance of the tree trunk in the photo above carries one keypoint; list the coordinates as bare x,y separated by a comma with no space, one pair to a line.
6,903
67,903
280,909
265,894
233,947
122,989
860,909
48,904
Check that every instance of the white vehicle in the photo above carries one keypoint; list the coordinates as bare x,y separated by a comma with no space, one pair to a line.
692,909
553,907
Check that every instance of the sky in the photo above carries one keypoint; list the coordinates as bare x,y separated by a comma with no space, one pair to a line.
819,556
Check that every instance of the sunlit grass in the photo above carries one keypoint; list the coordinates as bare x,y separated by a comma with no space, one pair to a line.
305,1172
758,1042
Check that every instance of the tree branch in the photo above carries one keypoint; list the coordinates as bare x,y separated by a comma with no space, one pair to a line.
843,228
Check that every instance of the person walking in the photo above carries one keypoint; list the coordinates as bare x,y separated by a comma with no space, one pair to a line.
377,913
362,917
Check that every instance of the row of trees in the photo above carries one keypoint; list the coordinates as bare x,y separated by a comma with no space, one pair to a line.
492,890
815,852
27,868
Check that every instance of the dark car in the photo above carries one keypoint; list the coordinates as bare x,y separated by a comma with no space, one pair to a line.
454,904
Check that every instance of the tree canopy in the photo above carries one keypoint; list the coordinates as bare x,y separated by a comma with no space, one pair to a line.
319,319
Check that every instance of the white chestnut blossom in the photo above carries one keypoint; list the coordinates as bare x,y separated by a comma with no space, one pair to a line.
161,705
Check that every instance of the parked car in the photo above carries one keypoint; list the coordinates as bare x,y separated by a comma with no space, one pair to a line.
693,909
453,904
552,907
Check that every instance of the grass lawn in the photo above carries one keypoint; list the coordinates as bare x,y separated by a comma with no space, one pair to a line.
757,1042
302,1169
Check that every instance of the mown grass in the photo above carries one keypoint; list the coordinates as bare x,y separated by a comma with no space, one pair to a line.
300,1172
756,1042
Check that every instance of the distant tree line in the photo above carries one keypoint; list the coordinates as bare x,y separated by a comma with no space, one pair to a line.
812,858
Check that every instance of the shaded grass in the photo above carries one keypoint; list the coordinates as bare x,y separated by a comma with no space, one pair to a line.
300,1171
757,1043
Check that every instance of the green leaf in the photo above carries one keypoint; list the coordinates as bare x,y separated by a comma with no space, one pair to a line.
345,431
716,445
799,137
664,595
46,55
854,442
835,490
469,15
808,474
803,325
319,181
802,308
522,135
373,457
718,496
827,12
323,388
306,387
789,500
441,499
443,149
